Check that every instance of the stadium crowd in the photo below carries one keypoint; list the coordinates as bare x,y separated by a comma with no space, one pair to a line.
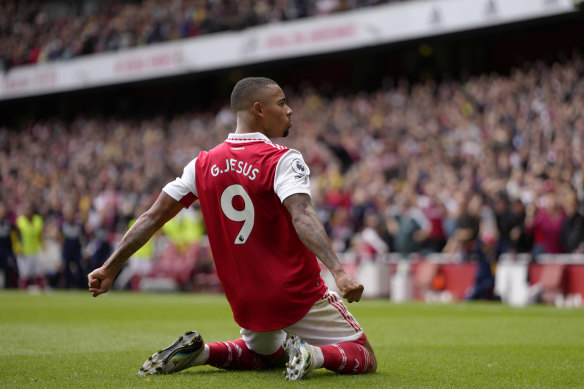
37,32
493,164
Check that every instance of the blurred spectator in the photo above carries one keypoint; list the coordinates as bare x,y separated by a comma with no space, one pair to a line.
185,253
510,218
52,255
99,247
30,227
465,237
519,240
340,229
506,222
408,225
371,245
436,212
466,241
572,233
544,222
8,234
184,230
484,280
73,240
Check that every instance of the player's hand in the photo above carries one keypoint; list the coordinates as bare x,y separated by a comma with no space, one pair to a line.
349,288
100,281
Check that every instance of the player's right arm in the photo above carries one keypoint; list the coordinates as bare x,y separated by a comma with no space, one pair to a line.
164,209
311,232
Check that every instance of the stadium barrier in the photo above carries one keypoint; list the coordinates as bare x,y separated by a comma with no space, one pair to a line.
519,280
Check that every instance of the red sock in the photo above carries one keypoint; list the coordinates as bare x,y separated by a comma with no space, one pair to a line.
349,357
235,355
135,283
40,281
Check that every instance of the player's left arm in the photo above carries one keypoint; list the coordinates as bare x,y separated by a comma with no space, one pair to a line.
311,232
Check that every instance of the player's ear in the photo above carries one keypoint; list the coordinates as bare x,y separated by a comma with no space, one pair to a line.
257,109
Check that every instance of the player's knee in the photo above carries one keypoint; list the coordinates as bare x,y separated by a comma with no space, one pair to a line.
372,365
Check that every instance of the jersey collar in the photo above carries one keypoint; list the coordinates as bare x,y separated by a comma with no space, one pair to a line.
249,137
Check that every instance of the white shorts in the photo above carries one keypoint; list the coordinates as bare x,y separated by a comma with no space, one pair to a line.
29,266
327,322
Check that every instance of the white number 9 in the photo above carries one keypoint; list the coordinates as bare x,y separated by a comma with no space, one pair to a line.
246,215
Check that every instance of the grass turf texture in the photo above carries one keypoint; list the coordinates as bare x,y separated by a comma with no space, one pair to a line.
70,340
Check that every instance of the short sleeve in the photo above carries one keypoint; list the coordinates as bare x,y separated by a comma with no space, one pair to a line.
292,175
183,189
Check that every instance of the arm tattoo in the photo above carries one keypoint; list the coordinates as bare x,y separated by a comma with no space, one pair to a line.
311,231
135,238
164,209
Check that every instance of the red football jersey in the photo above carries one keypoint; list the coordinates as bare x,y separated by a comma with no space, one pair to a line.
270,278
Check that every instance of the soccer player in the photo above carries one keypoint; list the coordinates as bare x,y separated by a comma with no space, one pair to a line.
265,236
30,227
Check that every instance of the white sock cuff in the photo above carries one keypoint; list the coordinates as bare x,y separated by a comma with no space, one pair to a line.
317,357
202,358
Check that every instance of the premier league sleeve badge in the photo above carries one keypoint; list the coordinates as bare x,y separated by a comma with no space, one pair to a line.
300,169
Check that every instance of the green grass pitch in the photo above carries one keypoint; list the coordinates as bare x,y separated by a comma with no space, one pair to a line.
71,340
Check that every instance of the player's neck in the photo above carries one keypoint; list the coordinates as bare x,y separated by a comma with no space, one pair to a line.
248,130
246,126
